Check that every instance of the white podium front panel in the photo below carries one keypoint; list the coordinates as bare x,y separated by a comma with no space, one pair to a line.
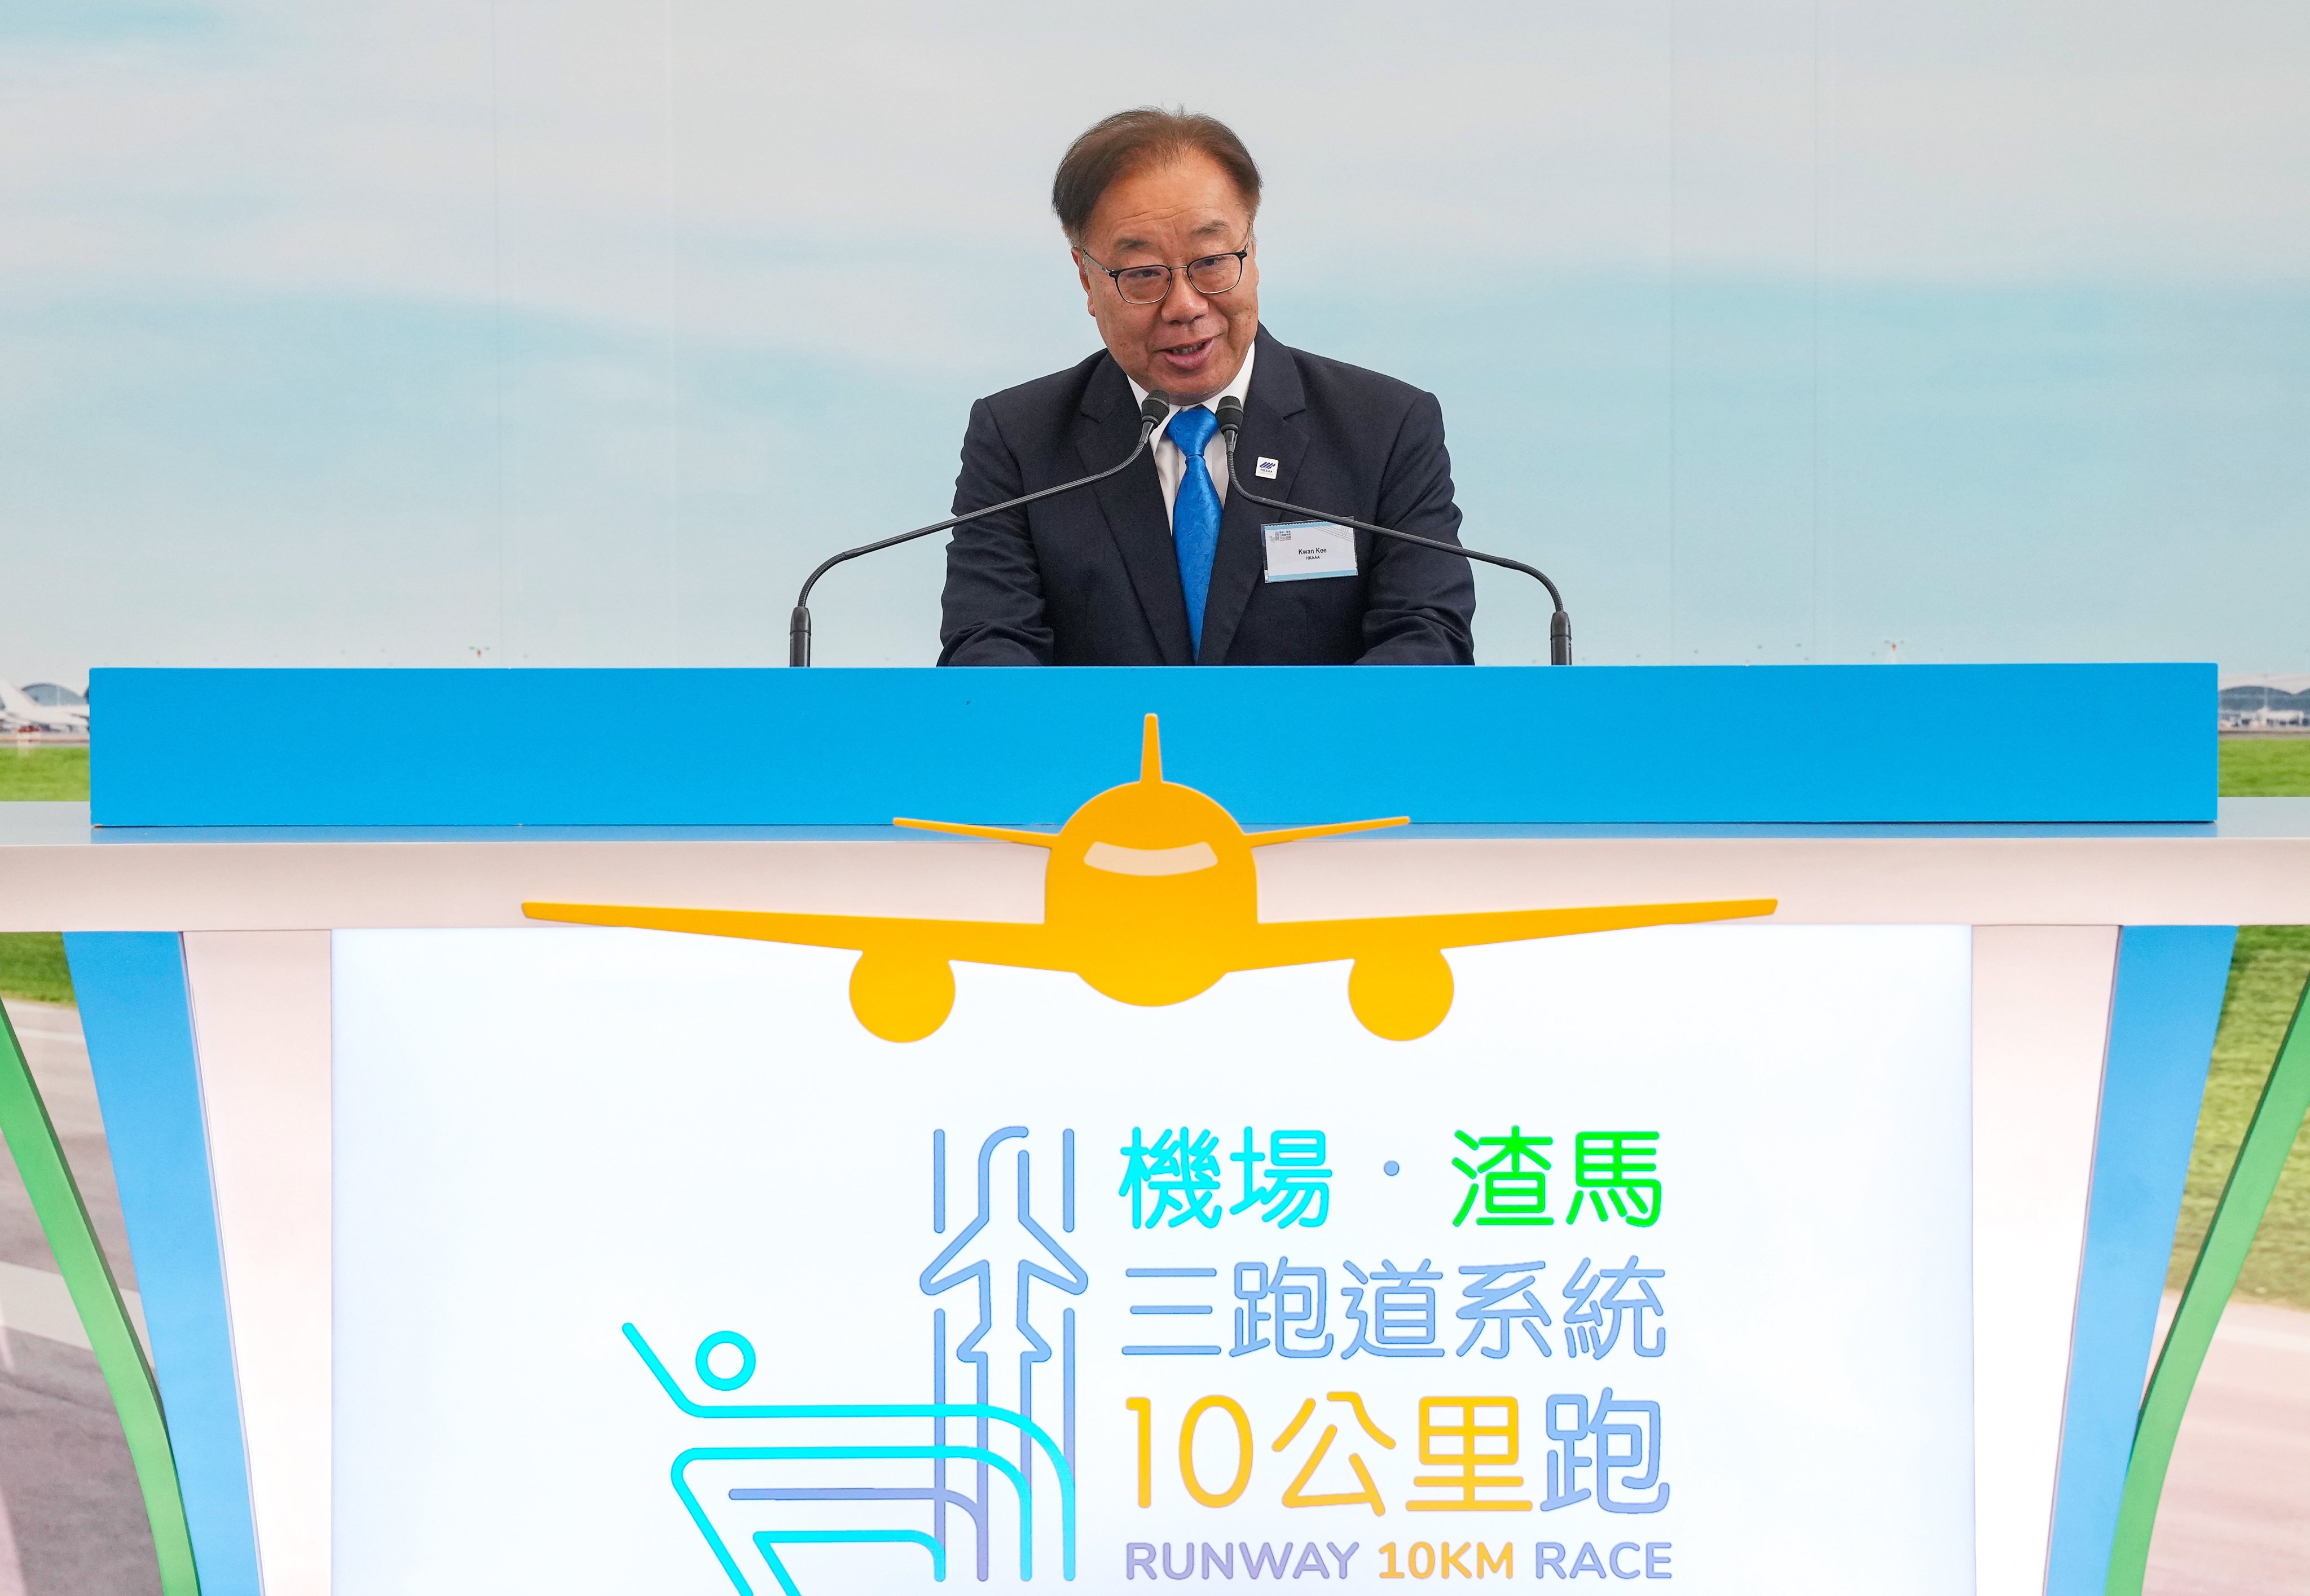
1652,1262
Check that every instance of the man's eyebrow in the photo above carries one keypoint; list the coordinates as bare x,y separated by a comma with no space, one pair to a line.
1218,225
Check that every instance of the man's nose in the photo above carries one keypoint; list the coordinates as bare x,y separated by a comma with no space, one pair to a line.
1182,302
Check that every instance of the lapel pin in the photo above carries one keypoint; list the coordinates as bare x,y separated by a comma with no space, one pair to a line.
1266,467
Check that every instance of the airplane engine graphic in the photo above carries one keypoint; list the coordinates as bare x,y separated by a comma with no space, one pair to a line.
1151,896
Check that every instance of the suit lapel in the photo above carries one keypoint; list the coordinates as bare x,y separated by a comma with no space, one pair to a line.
1274,425
1132,503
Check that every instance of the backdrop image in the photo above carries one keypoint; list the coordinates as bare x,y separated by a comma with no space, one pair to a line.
576,333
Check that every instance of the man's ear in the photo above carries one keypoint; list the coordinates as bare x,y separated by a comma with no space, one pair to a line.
1082,272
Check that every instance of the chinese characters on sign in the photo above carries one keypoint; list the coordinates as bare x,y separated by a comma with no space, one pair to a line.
1509,1178
1365,1451
1607,1451
1177,1178
1619,1164
1390,1311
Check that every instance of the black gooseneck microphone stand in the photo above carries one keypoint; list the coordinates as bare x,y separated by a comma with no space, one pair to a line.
1151,416
1560,624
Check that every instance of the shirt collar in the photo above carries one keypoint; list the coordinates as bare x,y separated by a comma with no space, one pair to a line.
1236,389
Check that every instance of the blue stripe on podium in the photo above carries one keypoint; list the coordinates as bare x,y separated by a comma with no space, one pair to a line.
137,1016
1593,744
2163,1015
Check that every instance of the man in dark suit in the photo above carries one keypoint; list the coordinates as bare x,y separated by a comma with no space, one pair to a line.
1161,565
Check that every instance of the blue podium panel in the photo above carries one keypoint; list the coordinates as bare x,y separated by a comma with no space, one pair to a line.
1756,744
2167,1006
133,1000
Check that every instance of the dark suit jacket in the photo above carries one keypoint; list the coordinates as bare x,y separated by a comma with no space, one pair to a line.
1089,578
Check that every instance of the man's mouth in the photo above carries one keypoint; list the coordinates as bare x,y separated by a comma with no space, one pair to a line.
1187,357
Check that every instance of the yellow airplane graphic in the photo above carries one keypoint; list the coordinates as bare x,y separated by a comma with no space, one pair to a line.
1151,897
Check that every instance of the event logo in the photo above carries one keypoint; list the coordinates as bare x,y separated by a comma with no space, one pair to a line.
1151,896
993,1263
1381,1349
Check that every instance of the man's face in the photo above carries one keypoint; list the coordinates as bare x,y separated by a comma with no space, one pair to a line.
1191,345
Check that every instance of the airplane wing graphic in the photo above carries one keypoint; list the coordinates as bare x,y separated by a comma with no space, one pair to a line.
1400,985
1274,942
1023,943
903,987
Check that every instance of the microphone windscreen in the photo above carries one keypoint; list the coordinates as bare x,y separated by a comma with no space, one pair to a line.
1153,408
1231,413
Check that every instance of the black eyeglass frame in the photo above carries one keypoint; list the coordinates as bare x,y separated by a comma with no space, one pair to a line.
1115,273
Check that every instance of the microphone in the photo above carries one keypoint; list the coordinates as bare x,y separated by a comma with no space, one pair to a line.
1559,625
1151,416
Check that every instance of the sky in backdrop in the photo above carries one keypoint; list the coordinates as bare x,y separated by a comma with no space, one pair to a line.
575,332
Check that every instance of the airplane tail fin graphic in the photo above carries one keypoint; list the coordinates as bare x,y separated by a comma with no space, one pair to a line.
1151,753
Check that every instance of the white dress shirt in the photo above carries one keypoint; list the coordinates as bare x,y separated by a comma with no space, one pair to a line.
1170,464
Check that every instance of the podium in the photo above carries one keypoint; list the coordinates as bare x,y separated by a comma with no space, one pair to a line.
569,1137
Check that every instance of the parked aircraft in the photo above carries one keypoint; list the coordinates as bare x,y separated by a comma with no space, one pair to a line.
20,712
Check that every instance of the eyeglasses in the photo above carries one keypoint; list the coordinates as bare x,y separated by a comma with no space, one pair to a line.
1151,285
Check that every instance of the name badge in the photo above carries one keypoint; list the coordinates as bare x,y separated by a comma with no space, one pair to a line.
1298,551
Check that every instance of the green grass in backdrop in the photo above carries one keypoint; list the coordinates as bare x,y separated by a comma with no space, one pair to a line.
2266,978
33,963
2265,766
2268,975
54,773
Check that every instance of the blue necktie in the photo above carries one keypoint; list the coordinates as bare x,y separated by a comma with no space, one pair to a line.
1194,514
